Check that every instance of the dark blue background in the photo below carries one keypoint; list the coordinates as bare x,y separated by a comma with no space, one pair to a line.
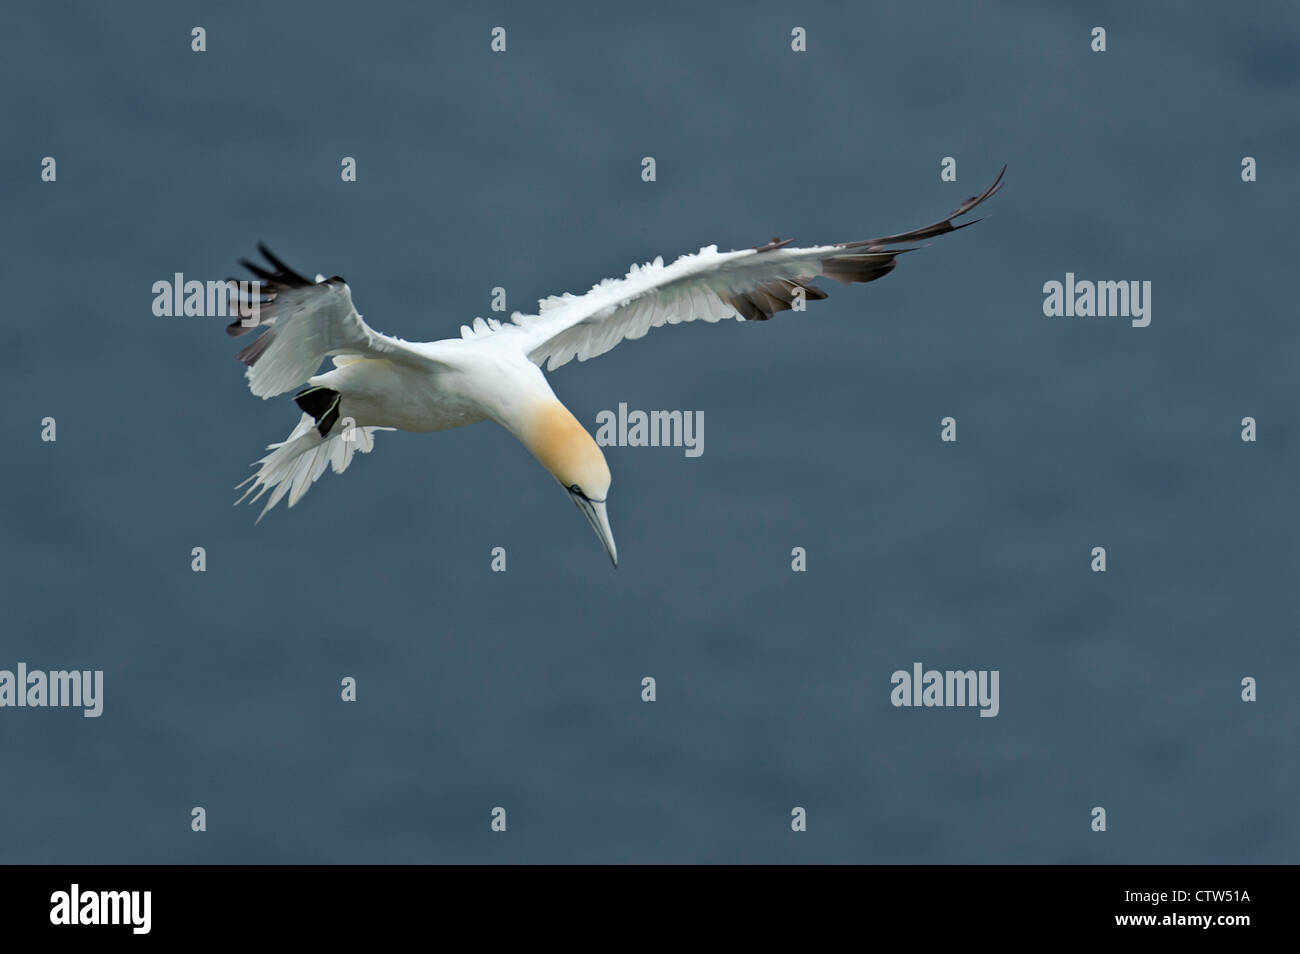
523,689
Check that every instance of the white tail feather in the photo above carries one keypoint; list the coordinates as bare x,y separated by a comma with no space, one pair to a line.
295,463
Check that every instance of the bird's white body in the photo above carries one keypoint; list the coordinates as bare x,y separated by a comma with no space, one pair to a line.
462,383
493,371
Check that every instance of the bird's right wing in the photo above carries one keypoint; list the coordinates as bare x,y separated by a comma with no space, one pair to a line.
751,285
305,322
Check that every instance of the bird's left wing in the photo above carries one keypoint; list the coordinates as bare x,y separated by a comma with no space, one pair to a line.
305,322
752,285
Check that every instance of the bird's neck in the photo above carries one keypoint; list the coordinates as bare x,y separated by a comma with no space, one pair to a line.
554,435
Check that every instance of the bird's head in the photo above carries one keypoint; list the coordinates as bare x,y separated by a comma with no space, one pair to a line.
574,459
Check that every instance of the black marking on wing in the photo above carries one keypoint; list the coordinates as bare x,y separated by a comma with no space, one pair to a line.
875,260
938,228
322,404
274,281
763,301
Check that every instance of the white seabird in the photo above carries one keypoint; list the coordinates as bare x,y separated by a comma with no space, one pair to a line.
493,370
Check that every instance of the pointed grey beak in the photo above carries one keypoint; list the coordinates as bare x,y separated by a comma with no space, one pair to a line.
594,511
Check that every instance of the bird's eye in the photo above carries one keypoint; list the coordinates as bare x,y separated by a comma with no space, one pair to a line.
575,489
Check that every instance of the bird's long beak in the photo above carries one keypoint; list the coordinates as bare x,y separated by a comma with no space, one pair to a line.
594,511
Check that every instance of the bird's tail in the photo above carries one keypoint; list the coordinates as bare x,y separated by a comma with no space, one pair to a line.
295,463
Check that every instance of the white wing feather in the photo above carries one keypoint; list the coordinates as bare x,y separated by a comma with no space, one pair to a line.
751,284
700,287
304,323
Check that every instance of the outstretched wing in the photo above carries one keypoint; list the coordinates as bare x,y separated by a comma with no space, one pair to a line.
304,322
752,285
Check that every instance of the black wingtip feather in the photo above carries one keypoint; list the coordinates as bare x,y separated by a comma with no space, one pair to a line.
259,271
283,274
271,257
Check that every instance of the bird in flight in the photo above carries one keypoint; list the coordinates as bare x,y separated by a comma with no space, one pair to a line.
493,370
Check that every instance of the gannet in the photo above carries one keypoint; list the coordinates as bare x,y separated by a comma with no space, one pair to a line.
493,370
